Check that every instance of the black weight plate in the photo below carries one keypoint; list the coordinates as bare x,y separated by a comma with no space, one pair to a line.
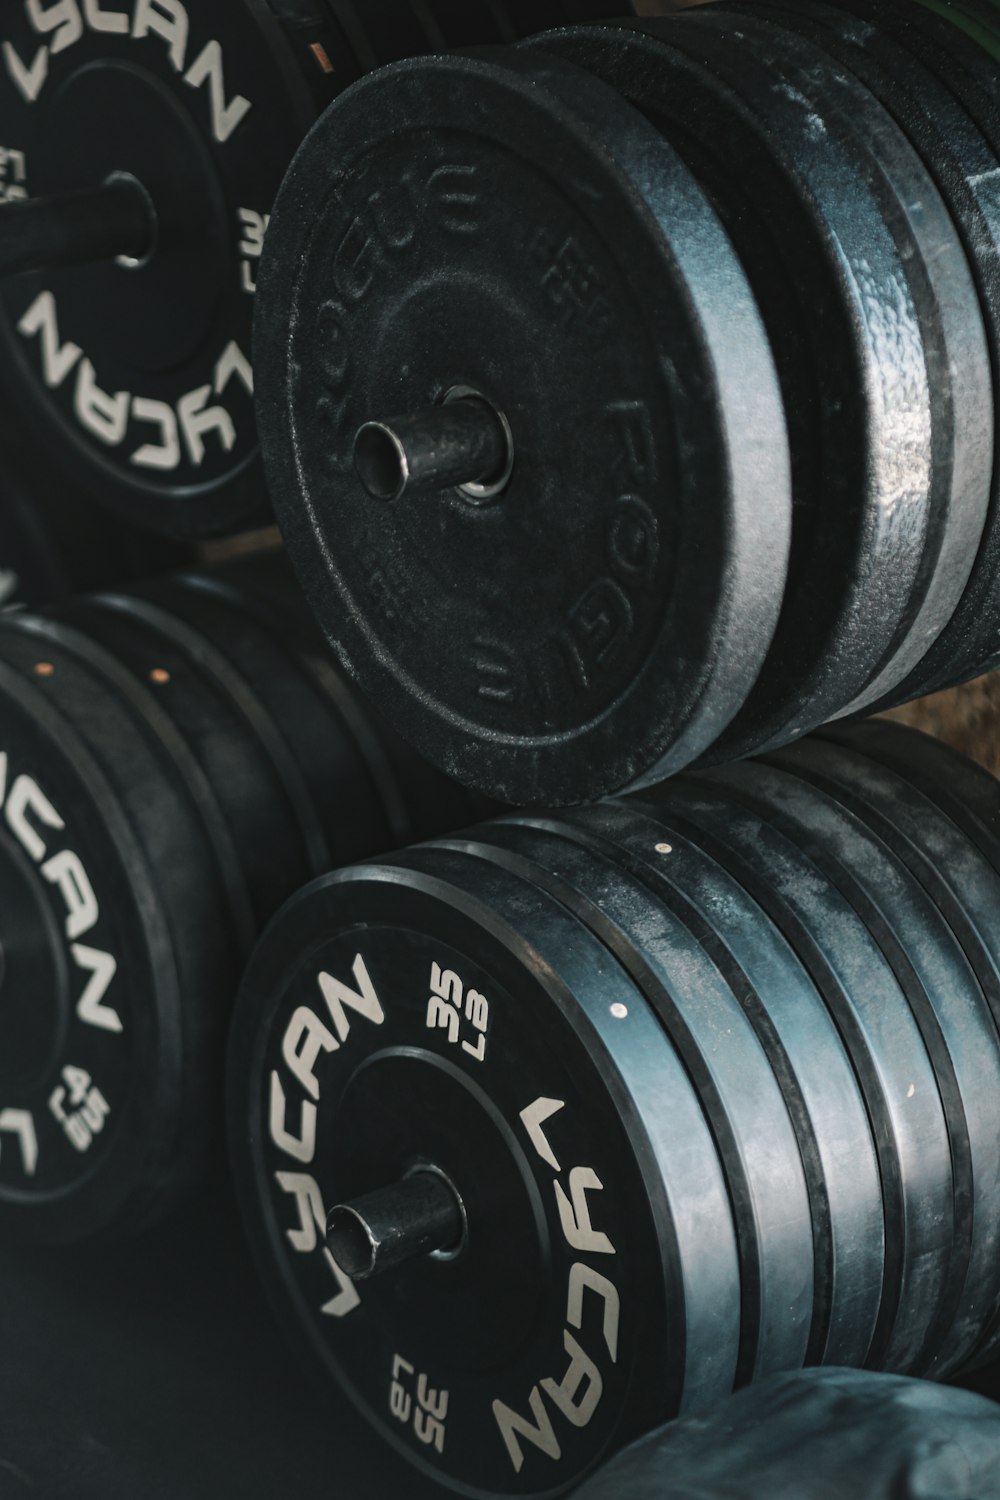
965,791
225,730
969,644
411,797
577,1093
362,793
942,981
129,1007
787,1013
787,256
964,167
941,38
616,628
878,1030
946,866
938,290
695,987
138,696
137,379
808,199
970,799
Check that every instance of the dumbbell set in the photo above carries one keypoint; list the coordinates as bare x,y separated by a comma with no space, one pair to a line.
625,395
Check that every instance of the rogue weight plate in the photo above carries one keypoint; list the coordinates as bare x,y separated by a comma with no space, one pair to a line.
137,377
615,600
949,315
963,165
716,99
948,514
536,1119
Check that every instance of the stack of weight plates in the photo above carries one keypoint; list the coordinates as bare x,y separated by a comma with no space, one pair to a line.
711,1077
727,285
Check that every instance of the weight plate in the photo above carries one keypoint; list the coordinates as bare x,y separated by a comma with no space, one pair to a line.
942,980
786,255
216,768
454,1026
938,291
137,378
966,865
340,780
808,199
736,807
943,41
866,1249
557,1124
248,773
693,986
947,121
97,1077
963,165
795,1028
614,633
966,792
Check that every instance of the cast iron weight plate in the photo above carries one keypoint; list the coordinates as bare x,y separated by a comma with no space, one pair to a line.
603,618
950,323
703,1018
716,98
958,105
785,252
964,165
137,379
559,1140
948,318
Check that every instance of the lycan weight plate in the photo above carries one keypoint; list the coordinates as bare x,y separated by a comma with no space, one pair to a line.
951,985
175,761
506,226
425,1043
135,371
443,1011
